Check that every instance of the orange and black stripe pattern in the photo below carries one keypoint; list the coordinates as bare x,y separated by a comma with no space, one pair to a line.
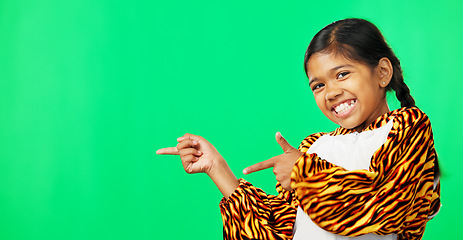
249,213
395,195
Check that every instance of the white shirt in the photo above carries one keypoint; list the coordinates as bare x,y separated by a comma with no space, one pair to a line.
352,151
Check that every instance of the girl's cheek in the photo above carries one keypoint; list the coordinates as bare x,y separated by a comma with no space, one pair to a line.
319,98
320,102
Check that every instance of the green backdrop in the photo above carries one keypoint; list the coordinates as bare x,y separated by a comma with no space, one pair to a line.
89,89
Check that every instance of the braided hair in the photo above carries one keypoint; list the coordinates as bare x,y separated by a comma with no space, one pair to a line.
360,40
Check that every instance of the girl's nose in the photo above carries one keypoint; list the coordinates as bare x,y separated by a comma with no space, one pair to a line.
332,93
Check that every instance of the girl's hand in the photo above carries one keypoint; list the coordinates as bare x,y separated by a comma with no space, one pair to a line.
282,164
196,153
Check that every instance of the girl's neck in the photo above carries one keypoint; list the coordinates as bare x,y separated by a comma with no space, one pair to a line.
381,110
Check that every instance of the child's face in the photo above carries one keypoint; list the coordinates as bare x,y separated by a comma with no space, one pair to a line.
349,93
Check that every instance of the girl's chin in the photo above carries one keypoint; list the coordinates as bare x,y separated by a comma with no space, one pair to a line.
348,124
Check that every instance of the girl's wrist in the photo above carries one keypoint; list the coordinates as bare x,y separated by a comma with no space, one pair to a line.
223,178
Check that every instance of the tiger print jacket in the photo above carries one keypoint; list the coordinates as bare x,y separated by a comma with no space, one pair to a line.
399,193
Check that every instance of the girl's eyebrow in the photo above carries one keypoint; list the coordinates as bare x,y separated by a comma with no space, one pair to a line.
338,67
312,80
331,70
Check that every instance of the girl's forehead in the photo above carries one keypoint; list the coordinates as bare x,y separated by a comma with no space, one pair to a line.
322,63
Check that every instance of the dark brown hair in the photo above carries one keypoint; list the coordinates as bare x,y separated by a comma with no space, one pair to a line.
360,40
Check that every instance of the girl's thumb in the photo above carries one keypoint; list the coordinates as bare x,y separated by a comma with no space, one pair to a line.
283,143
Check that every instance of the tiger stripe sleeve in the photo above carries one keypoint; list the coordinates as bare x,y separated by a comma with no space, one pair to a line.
394,196
249,213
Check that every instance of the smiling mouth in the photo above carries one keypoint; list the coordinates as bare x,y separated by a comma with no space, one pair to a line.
344,107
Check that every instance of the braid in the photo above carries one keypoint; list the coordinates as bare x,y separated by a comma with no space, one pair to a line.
360,40
401,89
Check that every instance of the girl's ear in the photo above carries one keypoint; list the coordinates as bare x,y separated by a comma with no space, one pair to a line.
384,70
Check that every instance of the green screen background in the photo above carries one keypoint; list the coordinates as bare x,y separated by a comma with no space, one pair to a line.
89,89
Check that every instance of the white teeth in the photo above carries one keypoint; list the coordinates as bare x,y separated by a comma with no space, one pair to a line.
343,107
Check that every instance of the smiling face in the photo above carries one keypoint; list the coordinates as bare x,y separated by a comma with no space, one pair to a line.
349,93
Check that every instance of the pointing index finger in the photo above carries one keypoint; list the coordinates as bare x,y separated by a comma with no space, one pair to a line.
259,166
168,151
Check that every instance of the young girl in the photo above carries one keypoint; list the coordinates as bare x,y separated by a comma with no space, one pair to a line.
374,177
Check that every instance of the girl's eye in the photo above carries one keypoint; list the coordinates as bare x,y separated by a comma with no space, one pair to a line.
341,75
317,86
